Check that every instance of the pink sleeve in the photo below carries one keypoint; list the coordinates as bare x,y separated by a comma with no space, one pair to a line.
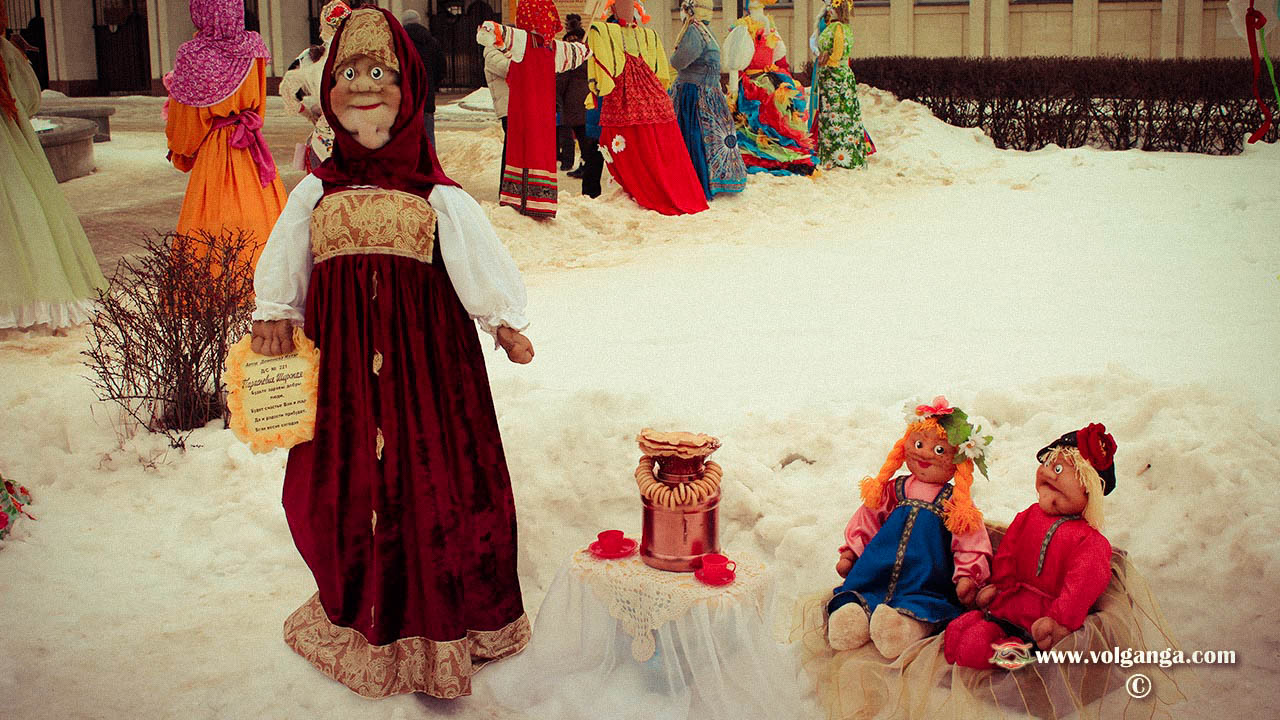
1086,580
972,555
864,525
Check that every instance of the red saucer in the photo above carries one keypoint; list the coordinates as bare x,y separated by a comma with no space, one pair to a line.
714,580
628,547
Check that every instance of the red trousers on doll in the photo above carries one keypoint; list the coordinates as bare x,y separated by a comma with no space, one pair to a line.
968,640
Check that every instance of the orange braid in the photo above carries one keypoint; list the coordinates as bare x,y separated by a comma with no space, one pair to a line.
962,516
7,104
873,488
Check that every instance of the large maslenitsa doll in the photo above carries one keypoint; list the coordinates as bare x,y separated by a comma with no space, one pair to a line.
401,505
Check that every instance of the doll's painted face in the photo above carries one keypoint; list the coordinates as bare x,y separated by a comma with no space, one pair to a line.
366,99
1059,487
930,458
624,11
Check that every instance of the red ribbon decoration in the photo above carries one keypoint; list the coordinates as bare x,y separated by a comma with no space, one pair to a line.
1253,23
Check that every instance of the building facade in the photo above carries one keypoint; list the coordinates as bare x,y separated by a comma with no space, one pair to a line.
99,47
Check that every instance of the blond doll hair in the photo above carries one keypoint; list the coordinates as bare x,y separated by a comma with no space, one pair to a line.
961,516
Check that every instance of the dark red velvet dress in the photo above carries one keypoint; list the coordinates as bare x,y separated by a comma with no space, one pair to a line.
401,505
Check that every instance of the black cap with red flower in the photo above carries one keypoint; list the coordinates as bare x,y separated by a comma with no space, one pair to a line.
1096,446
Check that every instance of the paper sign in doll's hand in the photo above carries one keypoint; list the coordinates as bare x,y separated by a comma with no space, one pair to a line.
985,596
966,591
1047,632
845,563
518,347
272,337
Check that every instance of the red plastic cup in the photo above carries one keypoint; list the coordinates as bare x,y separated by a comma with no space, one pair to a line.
716,565
610,540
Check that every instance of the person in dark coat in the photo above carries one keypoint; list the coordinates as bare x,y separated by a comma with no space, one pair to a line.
571,86
571,95
432,57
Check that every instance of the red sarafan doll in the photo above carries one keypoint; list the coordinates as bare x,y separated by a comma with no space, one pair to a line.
1053,563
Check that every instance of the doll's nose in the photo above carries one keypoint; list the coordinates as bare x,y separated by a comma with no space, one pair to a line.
1043,474
363,83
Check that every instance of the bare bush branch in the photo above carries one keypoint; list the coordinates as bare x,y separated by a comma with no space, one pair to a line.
165,322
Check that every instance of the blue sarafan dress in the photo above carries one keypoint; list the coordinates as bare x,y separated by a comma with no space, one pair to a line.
908,565
702,111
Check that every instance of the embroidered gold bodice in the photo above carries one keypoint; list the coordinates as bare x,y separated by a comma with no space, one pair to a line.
373,220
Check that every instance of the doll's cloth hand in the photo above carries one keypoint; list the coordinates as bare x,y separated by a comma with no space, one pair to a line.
1047,632
984,596
966,591
272,337
519,349
845,563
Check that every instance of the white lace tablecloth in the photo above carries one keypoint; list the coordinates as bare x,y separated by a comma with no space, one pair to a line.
620,640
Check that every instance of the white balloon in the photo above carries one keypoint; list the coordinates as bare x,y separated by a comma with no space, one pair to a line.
1267,7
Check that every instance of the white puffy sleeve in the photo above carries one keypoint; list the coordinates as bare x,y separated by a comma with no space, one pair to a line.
738,48
569,55
512,41
482,272
284,268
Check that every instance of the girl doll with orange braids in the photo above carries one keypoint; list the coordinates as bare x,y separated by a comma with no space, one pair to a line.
916,551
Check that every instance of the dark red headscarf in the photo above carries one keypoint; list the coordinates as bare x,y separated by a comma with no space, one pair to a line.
407,162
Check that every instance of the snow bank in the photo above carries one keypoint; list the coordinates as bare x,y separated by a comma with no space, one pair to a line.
1040,290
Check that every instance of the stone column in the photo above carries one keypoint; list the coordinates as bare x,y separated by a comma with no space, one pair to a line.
1168,29
802,25
1084,28
153,39
271,27
999,28
902,27
660,22
976,43
1193,28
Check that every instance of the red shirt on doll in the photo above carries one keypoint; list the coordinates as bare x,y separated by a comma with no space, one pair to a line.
1061,580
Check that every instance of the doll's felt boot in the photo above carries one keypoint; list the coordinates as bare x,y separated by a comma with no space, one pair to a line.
892,632
848,627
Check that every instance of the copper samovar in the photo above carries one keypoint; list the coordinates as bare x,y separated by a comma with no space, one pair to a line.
680,494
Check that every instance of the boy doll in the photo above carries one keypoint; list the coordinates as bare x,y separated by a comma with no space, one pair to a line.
1053,563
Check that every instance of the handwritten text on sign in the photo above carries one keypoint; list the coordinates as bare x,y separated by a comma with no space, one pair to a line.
273,393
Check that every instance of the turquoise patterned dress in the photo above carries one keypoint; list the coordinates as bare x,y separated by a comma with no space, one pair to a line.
702,112
843,140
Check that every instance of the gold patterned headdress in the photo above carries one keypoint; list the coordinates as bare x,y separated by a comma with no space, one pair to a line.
367,33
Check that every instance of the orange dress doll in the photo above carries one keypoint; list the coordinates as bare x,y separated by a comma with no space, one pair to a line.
215,133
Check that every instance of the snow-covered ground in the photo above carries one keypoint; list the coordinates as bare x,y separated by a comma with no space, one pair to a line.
1042,290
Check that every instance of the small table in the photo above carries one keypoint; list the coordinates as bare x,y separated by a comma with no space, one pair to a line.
619,639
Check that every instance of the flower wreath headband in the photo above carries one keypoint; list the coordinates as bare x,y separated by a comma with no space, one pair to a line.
962,431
